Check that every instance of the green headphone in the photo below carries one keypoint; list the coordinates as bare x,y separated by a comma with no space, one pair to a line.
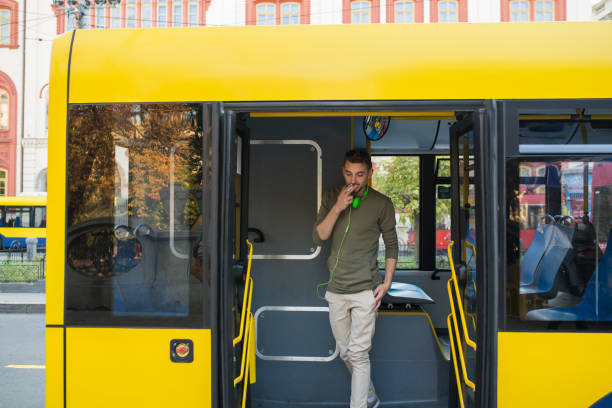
357,200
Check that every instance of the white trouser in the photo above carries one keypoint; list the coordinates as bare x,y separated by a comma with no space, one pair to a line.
352,319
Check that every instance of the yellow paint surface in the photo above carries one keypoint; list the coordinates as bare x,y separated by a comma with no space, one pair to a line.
56,180
109,367
54,373
343,62
24,200
553,369
23,232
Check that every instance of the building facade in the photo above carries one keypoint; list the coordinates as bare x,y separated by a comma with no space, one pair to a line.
24,77
27,29
602,10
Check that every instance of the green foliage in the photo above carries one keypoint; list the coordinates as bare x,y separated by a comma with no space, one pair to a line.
26,272
398,178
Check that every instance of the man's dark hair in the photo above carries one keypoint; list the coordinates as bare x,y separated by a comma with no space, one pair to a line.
359,156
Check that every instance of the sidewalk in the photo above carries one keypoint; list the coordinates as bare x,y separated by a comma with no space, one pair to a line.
22,298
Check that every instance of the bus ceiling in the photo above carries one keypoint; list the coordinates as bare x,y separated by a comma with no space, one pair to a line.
408,132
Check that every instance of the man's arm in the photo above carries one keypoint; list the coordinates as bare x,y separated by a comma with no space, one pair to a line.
328,216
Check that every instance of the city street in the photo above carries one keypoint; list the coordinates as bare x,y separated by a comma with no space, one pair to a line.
22,359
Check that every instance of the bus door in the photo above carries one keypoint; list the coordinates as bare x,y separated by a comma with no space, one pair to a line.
466,284
141,255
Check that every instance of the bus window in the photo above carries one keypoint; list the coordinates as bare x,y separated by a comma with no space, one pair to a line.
134,224
18,217
40,217
398,178
559,228
564,128
443,211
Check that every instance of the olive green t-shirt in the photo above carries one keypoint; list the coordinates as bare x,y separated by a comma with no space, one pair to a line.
357,268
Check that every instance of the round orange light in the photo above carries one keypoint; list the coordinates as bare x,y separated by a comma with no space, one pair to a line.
182,350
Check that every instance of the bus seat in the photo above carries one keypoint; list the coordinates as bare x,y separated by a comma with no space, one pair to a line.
587,253
558,253
406,293
596,303
535,252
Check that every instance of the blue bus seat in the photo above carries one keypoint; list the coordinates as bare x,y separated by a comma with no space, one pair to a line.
596,304
558,254
535,252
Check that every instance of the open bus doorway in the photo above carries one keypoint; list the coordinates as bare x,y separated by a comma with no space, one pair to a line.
293,159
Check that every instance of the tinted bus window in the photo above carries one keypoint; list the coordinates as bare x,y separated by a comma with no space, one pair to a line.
134,225
559,231
398,178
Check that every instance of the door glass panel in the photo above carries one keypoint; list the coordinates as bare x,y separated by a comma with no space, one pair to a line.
464,257
467,245
134,219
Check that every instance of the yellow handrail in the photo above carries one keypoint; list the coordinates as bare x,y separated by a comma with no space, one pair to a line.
450,331
244,363
248,288
251,352
247,331
469,341
452,344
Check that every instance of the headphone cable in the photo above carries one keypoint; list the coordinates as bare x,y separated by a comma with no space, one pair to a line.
331,272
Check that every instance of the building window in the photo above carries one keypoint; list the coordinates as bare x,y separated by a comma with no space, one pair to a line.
9,24
544,10
5,26
115,17
3,182
85,21
290,13
100,17
266,13
4,109
162,13
360,12
447,11
519,10
146,20
130,14
177,13
533,10
404,12
193,13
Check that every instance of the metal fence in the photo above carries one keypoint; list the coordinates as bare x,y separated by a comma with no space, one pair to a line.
16,265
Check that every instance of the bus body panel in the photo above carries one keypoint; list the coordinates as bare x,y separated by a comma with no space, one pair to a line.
132,367
56,180
54,367
24,232
553,369
350,62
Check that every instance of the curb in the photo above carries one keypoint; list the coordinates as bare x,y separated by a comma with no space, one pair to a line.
21,308
20,287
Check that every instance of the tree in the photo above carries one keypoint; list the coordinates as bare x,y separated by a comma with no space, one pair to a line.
398,178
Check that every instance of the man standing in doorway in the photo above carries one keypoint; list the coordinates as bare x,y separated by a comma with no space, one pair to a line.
354,216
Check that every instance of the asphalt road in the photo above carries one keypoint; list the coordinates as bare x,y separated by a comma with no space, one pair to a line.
22,344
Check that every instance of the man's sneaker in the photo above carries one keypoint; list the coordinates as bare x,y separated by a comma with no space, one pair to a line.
373,401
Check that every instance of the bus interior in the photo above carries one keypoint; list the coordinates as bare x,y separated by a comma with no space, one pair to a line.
153,263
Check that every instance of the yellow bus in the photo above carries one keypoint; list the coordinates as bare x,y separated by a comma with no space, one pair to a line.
187,166
22,217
